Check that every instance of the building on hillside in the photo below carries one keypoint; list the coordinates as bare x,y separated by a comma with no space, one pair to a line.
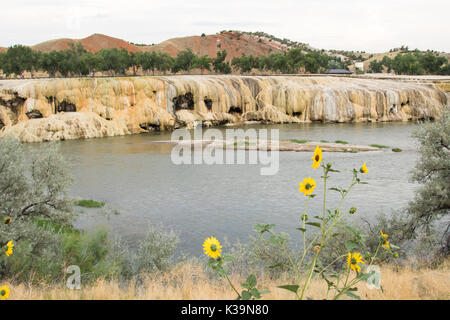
359,65
338,71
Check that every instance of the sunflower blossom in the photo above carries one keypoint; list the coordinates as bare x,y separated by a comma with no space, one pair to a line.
317,158
353,260
212,247
307,187
4,293
384,239
10,246
364,168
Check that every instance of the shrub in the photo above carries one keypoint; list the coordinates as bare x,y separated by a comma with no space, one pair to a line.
153,253
89,204
299,141
379,146
33,183
397,150
432,200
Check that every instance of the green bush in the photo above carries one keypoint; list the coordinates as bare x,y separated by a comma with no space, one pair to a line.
45,241
378,146
89,204
299,141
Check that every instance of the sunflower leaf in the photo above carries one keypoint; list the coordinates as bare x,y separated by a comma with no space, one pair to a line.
290,287
352,295
315,224
251,280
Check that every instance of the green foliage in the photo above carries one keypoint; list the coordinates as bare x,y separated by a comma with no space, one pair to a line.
396,150
418,63
18,59
378,146
299,141
154,252
341,142
203,63
219,64
246,63
28,190
89,204
115,61
324,252
432,171
251,292
184,61
375,66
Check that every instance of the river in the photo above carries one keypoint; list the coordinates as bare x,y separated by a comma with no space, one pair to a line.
137,177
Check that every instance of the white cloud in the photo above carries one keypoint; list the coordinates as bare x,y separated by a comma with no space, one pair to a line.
373,26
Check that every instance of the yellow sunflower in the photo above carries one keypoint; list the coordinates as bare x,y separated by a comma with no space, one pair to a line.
10,248
4,293
317,158
364,168
212,247
307,187
353,260
385,241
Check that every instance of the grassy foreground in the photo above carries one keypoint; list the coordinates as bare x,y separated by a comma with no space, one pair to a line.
190,281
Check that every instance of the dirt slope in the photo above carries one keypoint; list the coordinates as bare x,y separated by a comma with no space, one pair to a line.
234,43
93,43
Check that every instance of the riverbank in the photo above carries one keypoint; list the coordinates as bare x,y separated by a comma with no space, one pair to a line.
190,281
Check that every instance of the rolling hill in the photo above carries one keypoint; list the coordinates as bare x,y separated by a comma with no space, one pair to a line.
234,42
93,43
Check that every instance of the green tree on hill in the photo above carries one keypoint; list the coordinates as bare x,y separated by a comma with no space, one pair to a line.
148,61
164,62
184,61
18,59
115,60
246,63
203,63
219,64
375,66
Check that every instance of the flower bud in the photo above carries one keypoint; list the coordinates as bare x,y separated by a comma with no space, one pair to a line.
395,255
352,210
304,217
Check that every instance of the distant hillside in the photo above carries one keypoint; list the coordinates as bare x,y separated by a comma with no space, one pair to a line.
2,49
93,43
234,42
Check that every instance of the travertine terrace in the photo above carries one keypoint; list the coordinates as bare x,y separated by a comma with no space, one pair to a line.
57,109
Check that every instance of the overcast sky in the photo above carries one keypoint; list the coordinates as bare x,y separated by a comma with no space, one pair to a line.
373,26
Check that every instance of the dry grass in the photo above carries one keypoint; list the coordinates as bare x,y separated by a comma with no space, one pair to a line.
189,281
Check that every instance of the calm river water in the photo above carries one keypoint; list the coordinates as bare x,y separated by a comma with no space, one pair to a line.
137,177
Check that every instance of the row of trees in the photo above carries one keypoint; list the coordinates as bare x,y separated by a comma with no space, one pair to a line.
293,61
413,63
77,61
